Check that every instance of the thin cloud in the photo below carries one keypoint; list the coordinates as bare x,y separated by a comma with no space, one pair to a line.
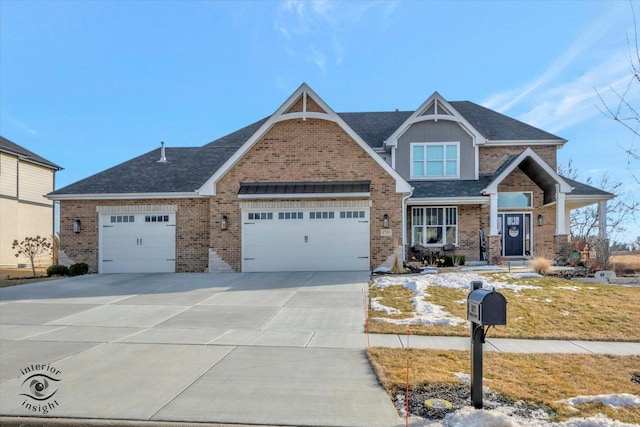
314,30
504,101
20,125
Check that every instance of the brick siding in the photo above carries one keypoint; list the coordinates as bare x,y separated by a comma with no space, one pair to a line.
305,150
192,230
491,158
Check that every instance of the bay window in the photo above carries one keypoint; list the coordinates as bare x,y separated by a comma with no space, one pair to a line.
434,226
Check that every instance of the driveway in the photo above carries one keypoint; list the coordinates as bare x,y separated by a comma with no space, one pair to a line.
273,348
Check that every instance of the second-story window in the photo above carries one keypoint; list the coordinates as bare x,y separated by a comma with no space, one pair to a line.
435,160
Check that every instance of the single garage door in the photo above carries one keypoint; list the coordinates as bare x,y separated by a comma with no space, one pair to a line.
305,239
138,243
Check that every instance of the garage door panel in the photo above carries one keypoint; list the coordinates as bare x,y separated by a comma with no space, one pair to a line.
313,240
131,243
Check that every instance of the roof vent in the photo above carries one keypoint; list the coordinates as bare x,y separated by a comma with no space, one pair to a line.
163,157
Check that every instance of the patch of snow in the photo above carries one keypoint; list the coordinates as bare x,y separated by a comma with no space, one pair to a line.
426,313
613,400
547,300
471,417
463,378
525,274
382,270
569,288
565,313
377,306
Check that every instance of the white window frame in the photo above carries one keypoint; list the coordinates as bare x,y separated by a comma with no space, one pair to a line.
443,226
425,145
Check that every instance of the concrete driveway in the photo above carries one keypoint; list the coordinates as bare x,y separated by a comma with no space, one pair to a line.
273,348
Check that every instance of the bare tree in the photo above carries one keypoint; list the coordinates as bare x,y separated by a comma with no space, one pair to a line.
584,223
622,110
32,248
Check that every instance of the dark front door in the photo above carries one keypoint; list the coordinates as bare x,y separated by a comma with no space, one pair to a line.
513,232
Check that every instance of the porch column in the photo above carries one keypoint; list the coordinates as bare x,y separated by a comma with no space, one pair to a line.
493,214
602,219
560,213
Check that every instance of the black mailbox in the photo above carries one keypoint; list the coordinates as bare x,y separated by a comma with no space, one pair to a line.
487,307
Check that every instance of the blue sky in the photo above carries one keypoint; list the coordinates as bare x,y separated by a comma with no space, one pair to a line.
90,84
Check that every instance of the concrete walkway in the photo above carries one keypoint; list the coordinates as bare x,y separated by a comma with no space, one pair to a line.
262,349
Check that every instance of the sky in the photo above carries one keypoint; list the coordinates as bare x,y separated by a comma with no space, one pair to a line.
91,84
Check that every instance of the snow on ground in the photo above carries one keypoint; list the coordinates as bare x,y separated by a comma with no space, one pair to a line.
568,288
471,417
426,313
613,400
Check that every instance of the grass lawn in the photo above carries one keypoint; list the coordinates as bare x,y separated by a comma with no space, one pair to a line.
555,309
20,276
538,379
538,307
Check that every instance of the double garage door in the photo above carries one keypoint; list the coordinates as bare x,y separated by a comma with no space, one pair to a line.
137,243
305,239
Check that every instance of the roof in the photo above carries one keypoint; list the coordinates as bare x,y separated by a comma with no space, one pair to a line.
24,154
450,188
580,189
188,168
299,188
498,127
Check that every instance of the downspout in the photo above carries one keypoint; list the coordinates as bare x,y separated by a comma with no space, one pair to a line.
404,222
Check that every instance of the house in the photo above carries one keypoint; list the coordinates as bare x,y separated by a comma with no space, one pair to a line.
307,189
25,179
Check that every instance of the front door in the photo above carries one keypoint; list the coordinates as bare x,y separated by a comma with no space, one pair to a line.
513,234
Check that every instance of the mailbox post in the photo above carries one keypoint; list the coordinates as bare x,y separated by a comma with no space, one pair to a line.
484,308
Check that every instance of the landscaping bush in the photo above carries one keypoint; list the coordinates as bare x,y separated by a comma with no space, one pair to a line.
541,265
58,270
79,269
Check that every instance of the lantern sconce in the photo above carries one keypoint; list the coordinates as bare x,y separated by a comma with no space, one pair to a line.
224,222
540,220
76,226
385,221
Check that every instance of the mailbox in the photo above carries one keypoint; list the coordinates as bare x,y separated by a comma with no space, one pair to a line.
487,307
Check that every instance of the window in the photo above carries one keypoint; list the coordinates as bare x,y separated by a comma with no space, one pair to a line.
439,160
352,214
515,200
321,215
156,218
434,226
260,215
122,218
290,215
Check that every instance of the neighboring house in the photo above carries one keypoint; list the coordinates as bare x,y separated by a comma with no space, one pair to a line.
25,179
311,189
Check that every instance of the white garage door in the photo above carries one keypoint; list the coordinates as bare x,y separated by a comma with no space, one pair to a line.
305,239
137,243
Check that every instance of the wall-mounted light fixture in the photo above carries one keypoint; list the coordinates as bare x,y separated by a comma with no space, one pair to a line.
76,226
540,220
385,221
223,222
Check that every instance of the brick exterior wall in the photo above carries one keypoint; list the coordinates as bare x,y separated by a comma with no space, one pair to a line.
491,158
192,230
305,150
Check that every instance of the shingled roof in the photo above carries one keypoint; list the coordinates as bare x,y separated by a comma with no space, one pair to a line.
188,168
26,155
498,127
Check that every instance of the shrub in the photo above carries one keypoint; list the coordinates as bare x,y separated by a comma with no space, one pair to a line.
79,269
58,270
541,265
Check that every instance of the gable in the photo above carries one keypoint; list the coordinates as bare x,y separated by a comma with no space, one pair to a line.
536,169
303,104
